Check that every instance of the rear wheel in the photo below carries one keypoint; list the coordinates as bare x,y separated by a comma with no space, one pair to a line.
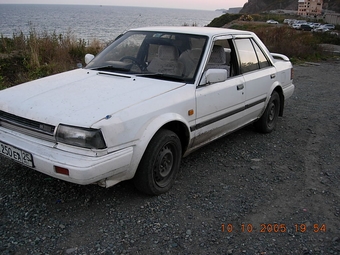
160,163
268,120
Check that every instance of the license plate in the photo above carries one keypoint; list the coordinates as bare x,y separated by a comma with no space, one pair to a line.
16,154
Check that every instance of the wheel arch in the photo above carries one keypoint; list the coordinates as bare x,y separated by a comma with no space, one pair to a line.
170,121
181,130
276,86
279,90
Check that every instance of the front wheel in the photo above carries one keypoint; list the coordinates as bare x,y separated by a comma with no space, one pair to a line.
160,163
268,120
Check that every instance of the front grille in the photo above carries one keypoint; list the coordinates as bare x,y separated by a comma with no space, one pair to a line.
27,126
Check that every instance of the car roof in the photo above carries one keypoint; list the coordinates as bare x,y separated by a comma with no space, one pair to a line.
207,31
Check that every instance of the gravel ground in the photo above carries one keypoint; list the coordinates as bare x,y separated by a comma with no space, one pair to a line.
247,193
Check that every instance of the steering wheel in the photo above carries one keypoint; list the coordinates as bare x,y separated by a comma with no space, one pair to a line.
135,61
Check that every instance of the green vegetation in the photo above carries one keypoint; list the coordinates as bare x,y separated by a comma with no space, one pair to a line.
228,18
28,57
224,19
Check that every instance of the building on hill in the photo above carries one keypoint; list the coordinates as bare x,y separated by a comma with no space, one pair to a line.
310,8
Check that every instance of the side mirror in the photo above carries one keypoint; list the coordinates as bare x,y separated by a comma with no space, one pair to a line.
88,58
212,76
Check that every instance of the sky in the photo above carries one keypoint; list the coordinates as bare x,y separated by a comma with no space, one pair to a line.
180,4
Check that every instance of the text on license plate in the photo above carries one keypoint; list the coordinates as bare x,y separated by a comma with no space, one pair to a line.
16,154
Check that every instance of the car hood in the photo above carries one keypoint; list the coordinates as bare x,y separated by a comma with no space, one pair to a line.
80,97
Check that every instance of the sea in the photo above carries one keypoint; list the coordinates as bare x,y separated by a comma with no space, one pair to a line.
89,22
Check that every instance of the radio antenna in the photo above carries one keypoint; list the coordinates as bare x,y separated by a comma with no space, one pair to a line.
129,26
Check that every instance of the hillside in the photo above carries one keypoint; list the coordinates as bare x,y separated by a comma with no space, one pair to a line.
333,5
258,6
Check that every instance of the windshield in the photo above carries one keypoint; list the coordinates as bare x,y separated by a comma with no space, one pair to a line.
153,54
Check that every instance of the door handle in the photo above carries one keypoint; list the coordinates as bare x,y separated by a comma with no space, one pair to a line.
239,87
272,76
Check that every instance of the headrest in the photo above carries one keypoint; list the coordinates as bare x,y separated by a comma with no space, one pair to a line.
218,55
167,52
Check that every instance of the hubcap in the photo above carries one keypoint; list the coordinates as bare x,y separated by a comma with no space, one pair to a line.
271,116
163,166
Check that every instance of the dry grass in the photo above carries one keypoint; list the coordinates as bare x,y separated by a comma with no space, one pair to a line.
32,56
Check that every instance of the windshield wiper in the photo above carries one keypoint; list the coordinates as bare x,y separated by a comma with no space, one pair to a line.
111,68
161,76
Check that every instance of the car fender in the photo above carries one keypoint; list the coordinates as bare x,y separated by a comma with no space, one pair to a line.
277,87
147,132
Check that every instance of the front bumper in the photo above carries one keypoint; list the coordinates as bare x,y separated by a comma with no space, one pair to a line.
83,169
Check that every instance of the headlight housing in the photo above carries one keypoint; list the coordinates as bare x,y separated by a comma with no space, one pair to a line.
89,138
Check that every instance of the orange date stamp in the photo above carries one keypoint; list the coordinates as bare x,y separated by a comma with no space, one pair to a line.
272,228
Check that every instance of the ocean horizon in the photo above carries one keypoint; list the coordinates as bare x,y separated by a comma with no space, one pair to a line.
88,22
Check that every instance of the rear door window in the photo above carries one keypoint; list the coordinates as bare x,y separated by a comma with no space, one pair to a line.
251,56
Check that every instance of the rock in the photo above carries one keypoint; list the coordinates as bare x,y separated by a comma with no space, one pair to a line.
71,250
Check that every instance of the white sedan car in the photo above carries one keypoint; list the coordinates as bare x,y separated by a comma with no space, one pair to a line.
271,21
150,98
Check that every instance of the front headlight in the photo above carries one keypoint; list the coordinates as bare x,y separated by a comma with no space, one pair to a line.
82,137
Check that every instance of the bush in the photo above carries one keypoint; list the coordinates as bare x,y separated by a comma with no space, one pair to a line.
327,38
32,56
290,42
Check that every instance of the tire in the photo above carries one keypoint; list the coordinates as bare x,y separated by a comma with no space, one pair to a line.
268,120
160,163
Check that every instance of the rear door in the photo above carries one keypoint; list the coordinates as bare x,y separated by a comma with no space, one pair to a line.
258,73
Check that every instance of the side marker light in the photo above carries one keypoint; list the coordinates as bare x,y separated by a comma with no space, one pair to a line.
61,170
